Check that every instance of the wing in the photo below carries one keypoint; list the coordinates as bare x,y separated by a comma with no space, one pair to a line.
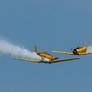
86,53
63,52
62,60
38,61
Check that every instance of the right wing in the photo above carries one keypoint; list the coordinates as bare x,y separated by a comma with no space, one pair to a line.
63,52
85,53
30,60
62,60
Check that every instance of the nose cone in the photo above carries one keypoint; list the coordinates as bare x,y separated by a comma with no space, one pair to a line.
75,52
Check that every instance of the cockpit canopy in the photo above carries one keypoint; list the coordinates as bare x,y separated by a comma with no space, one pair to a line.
45,52
79,47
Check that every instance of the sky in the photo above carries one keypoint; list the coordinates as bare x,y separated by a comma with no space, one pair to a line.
51,25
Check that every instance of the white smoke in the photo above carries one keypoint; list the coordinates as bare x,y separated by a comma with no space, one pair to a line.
11,49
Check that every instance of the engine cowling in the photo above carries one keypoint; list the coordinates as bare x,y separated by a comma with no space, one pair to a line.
75,52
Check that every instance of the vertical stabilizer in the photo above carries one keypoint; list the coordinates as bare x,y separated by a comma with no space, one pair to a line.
85,44
35,48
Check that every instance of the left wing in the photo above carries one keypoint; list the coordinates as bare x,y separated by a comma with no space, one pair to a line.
62,60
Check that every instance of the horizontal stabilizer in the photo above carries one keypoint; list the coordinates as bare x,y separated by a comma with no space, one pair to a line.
89,48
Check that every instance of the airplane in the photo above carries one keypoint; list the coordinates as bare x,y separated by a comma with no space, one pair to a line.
45,55
77,51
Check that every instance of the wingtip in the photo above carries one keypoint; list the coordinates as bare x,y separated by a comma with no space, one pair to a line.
53,51
16,58
78,57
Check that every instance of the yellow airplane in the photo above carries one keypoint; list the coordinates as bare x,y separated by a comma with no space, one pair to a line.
77,51
45,55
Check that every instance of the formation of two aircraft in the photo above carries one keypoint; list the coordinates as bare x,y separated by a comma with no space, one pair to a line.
78,51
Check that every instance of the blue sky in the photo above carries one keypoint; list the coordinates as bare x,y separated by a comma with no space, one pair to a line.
52,25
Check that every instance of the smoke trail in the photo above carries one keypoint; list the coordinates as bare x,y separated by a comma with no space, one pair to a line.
8,48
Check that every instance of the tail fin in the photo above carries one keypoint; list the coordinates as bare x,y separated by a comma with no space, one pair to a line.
85,44
35,48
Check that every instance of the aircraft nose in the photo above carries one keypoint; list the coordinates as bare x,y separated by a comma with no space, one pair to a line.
75,52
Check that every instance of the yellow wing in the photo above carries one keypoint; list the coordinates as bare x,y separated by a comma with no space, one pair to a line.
38,61
86,53
63,52
62,60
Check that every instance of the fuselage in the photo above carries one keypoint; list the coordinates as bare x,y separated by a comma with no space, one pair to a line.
77,51
46,56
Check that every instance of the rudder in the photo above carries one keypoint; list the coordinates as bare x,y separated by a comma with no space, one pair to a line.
85,44
35,48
